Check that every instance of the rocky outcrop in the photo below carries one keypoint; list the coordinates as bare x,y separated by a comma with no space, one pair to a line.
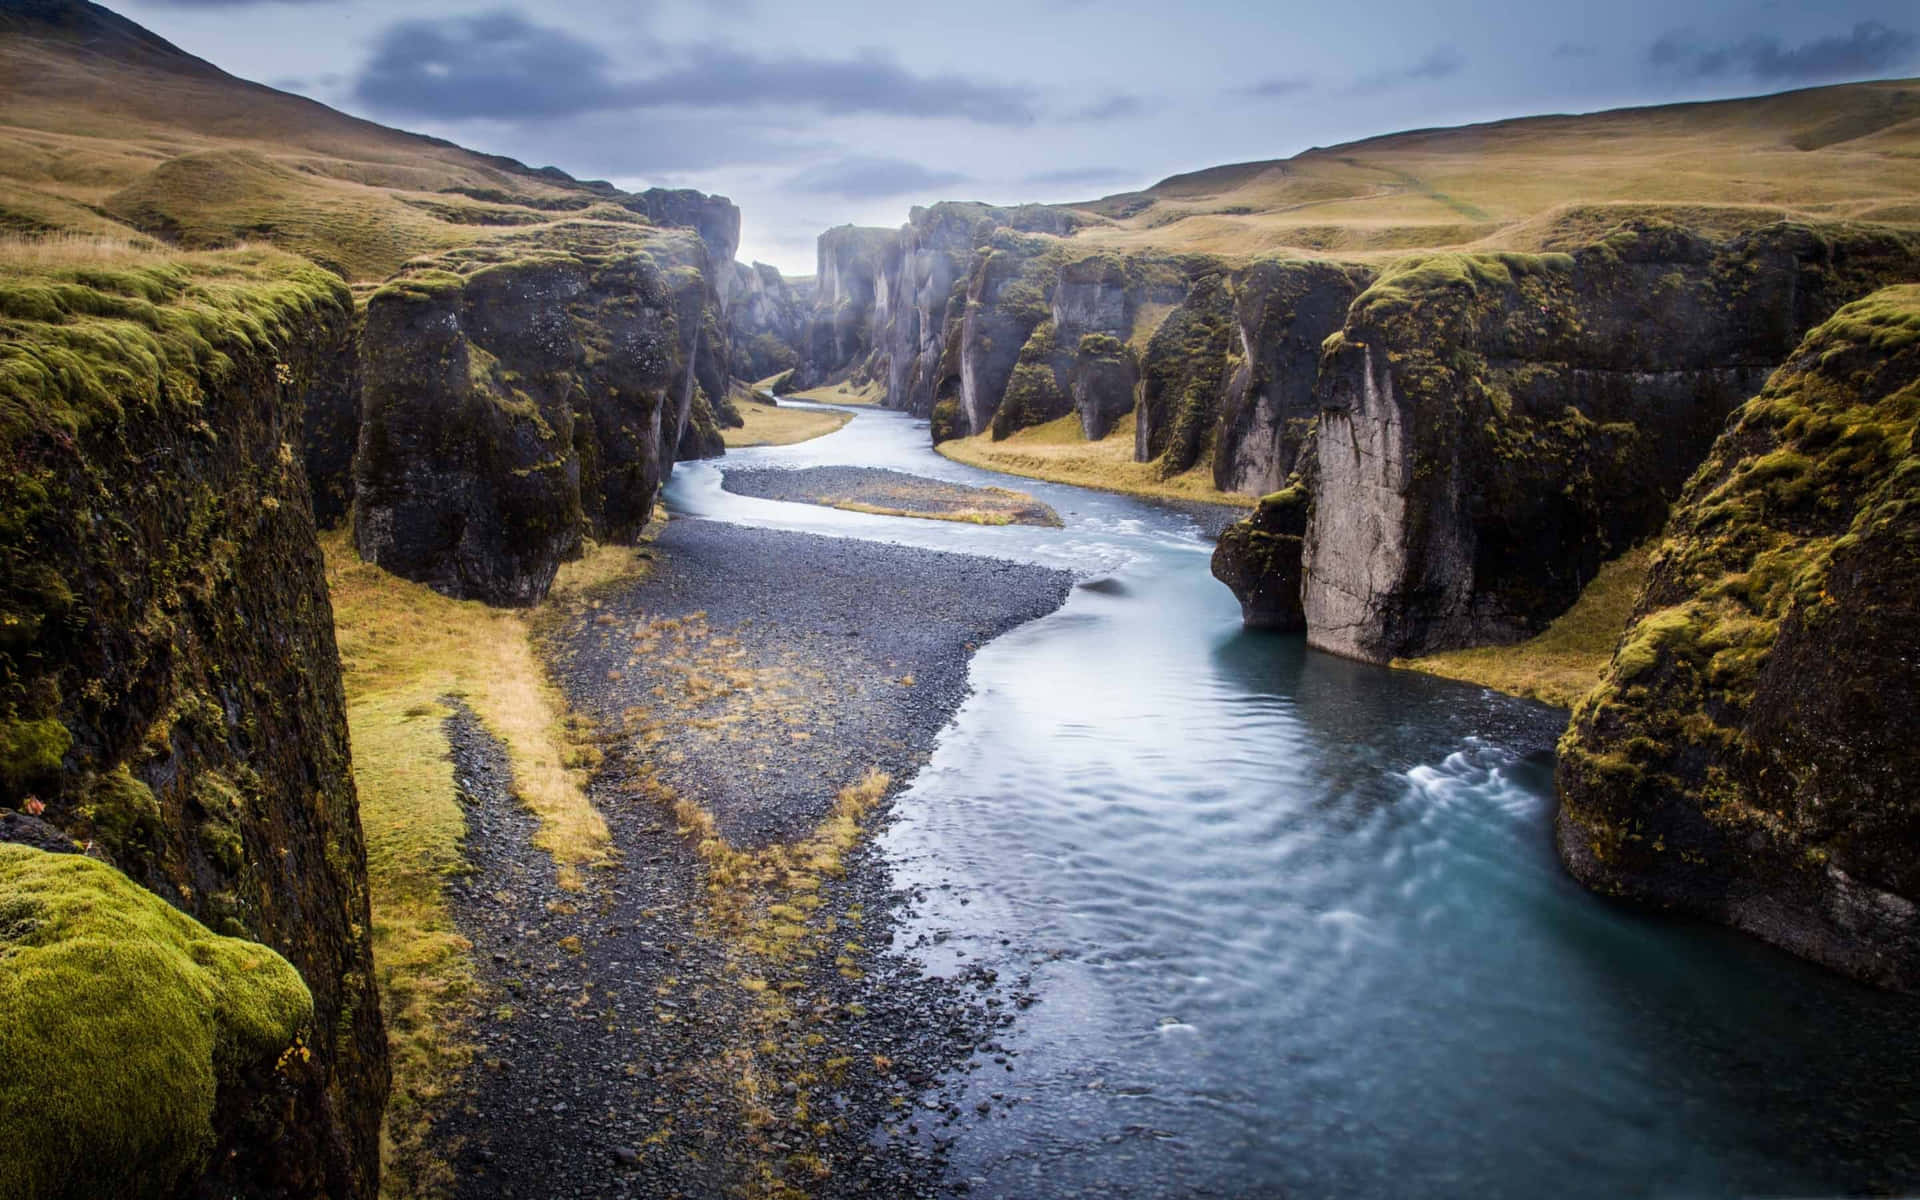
851,277
1260,559
767,319
524,393
330,433
715,218
1749,756
1492,427
170,694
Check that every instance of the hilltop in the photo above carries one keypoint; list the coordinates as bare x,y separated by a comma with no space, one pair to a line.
107,129
1541,183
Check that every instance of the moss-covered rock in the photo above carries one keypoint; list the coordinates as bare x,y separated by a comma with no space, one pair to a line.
169,688
1750,754
1259,558
125,1026
1493,427
524,394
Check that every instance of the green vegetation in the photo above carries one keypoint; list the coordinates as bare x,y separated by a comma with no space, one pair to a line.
1564,663
120,1020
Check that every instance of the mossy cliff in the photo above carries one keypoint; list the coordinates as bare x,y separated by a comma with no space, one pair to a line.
169,687
1259,558
1749,755
520,396
1492,427
126,1028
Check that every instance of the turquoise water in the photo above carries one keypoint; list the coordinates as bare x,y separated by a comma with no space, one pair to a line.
1296,924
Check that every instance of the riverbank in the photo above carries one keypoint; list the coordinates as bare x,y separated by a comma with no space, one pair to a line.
891,493
1060,453
779,425
1566,661
715,1012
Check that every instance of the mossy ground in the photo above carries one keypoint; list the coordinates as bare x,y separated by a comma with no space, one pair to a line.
120,1018
1564,663
1059,452
405,648
770,425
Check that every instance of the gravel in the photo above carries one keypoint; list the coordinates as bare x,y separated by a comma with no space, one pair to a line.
835,486
613,1069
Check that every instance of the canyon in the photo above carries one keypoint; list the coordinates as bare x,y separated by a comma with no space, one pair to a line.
246,335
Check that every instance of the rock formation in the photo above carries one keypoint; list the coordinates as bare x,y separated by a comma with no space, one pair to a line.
524,393
1749,756
170,694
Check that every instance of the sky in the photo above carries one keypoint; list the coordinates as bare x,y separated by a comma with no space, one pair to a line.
810,115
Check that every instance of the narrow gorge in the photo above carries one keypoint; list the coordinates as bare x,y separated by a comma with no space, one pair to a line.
1343,674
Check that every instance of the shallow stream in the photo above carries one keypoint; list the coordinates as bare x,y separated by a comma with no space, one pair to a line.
1296,924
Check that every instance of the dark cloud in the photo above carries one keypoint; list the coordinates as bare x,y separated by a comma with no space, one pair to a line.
1071,176
1870,49
1113,108
1442,62
501,65
858,177
1575,50
1273,89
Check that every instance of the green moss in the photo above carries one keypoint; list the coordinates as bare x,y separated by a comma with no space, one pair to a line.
120,1019
122,812
31,750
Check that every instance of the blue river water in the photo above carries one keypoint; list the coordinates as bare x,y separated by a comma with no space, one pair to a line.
1296,925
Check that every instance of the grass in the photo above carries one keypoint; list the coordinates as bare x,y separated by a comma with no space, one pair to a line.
404,649
867,395
1059,452
1564,663
936,501
771,425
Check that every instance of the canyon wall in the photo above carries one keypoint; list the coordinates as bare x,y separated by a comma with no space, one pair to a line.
521,395
170,703
1749,756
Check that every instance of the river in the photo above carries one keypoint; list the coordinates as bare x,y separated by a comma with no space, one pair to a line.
1296,924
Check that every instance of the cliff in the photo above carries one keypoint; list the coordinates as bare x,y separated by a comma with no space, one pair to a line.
767,320
1489,428
169,689
522,395
1749,755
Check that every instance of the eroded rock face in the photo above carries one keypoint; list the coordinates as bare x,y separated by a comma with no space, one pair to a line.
170,692
1492,427
520,395
331,432
1749,756
767,319
1260,559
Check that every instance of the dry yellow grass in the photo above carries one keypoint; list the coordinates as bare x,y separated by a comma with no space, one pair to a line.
1821,153
770,425
864,396
1058,451
404,648
1564,663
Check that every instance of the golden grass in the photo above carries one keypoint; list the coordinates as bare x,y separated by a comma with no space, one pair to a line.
966,516
867,395
31,254
1565,662
403,649
1059,452
934,500
769,425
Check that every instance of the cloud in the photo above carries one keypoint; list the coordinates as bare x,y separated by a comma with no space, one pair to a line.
1071,176
1575,50
1441,62
1870,49
230,3
1113,108
500,65
1273,89
861,177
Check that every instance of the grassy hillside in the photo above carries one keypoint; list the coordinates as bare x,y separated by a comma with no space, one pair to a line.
105,129
1543,182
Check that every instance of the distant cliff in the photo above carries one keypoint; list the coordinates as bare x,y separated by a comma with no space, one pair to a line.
1750,755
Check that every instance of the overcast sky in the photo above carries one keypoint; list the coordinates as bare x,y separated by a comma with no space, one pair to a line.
817,114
